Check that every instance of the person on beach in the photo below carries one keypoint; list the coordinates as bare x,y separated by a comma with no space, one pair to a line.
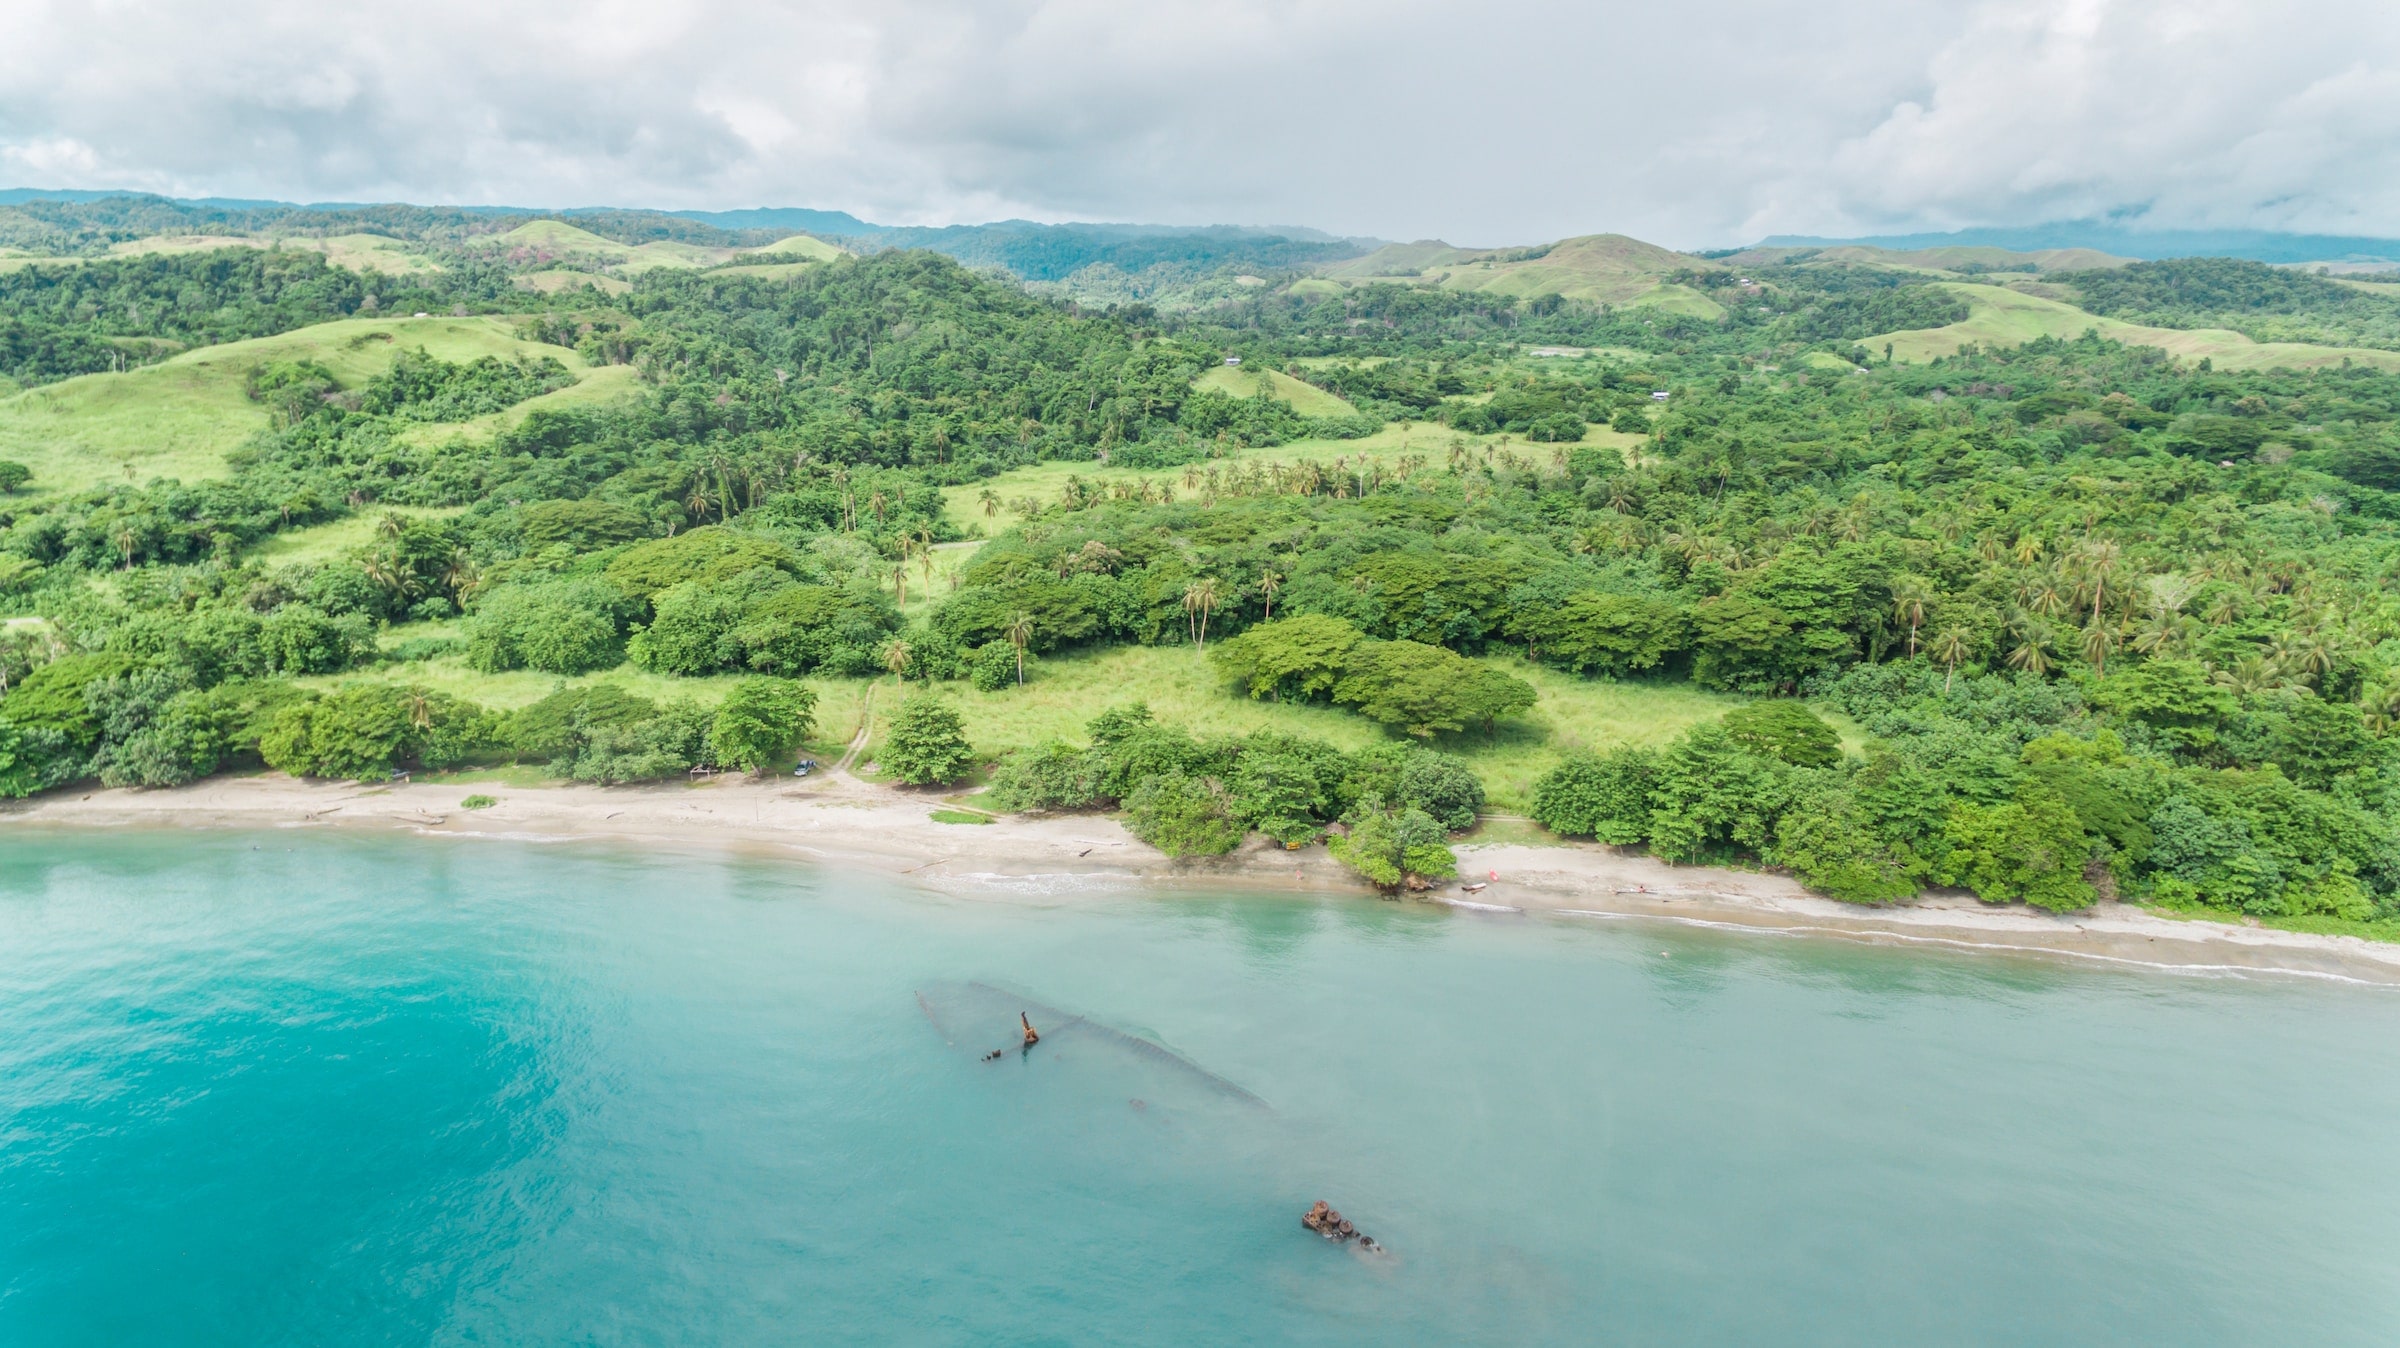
1032,1037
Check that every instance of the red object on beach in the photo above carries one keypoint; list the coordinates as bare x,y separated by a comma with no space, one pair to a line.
1494,874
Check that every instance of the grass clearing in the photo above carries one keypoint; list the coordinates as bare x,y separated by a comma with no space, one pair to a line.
1305,398
840,701
1602,268
801,245
962,505
322,543
2000,317
561,280
544,239
765,271
179,418
355,252
602,384
1063,693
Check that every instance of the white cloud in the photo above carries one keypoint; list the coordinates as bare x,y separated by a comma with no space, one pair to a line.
1508,120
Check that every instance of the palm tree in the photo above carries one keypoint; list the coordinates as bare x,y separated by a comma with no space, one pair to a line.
925,552
1199,601
900,583
1269,585
2250,674
2098,641
1950,647
2099,566
991,502
2044,594
392,525
2163,634
461,575
2032,653
1020,631
896,658
2028,549
419,706
1910,594
2382,708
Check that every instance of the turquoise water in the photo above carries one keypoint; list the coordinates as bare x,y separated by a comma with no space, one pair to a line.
318,1089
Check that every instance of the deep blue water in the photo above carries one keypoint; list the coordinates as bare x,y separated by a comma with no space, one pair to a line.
314,1088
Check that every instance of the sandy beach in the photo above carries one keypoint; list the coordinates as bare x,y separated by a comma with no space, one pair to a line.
836,819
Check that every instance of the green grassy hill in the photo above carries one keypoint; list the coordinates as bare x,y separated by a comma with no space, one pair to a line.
1931,259
180,417
802,245
1305,398
1602,268
358,252
547,239
2000,317
554,281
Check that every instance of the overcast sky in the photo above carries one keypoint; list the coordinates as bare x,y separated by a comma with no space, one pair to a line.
1699,123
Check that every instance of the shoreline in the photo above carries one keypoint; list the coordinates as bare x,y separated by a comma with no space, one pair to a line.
834,819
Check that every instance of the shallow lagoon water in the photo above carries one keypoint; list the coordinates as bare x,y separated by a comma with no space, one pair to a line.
305,1087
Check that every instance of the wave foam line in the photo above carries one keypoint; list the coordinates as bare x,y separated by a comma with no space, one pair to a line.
1860,934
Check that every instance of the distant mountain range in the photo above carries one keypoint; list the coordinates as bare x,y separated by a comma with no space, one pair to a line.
1168,264
2148,245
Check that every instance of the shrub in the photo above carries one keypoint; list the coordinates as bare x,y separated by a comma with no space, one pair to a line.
1394,847
51,699
1607,798
1787,730
160,732
303,639
793,629
1049,776
34,758
759,620
1297,658
13,477
1607,633
1182,816
2031,849
759,720
557,627
927,743
1557,428
366,730
669,742
711,553
1424,690
581,525
992,667
1279,798
557,727
1710,793
1443,786
1832,846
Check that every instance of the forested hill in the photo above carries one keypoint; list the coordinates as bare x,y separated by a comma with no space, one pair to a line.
1131,261
2262,302
2050,621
